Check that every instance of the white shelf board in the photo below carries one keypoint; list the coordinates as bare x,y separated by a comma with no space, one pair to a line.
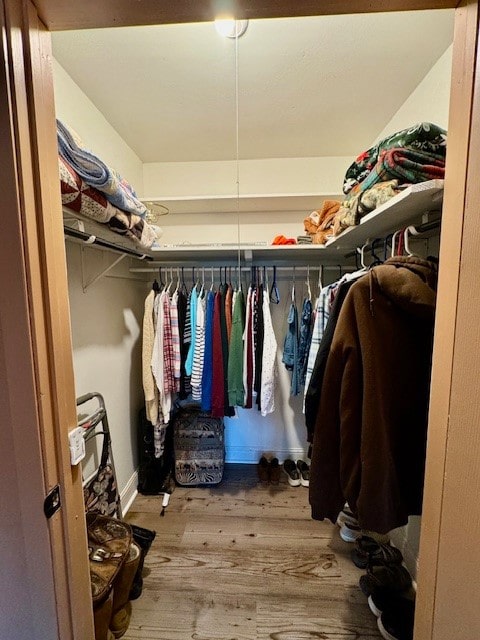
250,203
402,210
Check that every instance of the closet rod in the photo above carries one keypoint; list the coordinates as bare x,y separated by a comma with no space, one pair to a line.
330,267
94,240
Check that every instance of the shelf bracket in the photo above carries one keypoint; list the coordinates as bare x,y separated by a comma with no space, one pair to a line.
87,285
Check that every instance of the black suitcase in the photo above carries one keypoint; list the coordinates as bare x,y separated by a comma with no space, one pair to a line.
154,474
199,447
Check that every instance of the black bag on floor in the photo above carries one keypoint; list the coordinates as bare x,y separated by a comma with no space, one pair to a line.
153,473
198,446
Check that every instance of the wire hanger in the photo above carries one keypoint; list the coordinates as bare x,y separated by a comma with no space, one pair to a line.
309,290
212,284
274,292
320,278
293,287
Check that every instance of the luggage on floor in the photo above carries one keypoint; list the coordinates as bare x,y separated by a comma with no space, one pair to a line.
199,447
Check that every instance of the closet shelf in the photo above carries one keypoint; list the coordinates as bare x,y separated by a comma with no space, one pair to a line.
249,203
82,230
406,208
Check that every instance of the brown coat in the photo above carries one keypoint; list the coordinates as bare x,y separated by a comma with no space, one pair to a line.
370,432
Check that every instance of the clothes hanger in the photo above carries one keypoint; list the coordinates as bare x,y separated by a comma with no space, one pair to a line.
394,239
293,287
386,242
212,285
361,251
320,279
409,230
274,292
309,290
376,259
156,286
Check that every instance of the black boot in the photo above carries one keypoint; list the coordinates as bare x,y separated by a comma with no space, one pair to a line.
144,538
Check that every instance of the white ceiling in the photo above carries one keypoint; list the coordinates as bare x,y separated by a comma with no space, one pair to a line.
323,86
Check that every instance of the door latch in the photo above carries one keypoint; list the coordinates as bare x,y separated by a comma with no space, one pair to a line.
52,502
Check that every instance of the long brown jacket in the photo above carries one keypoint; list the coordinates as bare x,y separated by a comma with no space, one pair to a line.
370,431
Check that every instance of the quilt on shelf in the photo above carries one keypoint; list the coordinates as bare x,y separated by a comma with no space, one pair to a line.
81,198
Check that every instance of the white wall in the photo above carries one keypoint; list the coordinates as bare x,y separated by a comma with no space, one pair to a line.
106,332
75,109
266,176
429,102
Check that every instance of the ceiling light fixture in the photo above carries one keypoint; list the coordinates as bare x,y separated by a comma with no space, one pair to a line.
231,28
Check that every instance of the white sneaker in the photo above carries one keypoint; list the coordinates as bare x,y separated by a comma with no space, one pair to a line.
350,532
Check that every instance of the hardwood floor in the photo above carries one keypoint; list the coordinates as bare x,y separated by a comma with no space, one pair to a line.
244,561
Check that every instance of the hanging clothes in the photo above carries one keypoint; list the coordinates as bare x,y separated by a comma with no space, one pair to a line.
199,352
218,389
149,387
370,432
290,349
306,329
269,360
322,312
236,392
208,354
248,353
177,360
259,337
184,336
312,393
193,323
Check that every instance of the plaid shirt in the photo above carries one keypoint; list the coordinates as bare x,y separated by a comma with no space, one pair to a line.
322,312
168,356
175,340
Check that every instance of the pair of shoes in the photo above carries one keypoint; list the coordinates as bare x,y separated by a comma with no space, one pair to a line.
385,580
370,553
269,470
297,474
396,615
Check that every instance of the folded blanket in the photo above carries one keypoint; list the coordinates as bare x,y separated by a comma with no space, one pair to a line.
407,165
355,207
319,224
88,202
425,137
96,173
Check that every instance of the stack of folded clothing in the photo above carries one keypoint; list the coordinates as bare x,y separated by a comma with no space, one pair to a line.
91,188
408,157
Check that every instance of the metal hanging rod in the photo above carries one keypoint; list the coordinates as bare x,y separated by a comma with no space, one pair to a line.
89,239
164,267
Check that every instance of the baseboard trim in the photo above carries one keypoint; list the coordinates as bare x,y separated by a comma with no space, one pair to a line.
251,455
129,493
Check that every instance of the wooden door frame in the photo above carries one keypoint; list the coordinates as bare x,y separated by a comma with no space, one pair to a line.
455,402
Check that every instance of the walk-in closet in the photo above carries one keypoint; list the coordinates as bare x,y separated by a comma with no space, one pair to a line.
264,246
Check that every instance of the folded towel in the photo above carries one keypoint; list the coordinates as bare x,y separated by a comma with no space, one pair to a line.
96,173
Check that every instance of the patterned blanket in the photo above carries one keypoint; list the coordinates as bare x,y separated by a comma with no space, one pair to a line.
83,199
96,173
424,137
395,167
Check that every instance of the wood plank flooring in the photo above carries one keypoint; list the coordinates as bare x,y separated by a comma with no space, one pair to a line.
245,561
